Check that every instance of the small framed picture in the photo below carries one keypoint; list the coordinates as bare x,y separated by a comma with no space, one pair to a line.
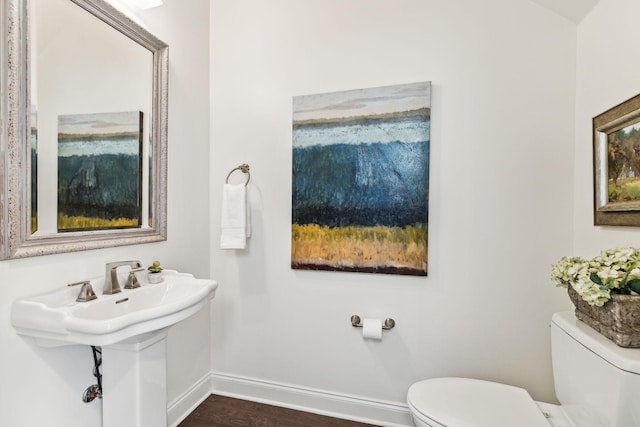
616,165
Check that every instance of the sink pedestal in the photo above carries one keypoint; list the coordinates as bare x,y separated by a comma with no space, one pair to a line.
130,327
134,381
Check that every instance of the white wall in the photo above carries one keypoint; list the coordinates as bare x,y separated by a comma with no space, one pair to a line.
503,76
607,62
44,386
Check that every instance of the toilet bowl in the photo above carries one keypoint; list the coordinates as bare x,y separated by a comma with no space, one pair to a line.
465,402
595,382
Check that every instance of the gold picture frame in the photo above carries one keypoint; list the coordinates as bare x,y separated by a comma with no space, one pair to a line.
616,165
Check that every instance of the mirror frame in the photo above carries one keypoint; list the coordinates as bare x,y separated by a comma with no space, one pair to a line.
16,240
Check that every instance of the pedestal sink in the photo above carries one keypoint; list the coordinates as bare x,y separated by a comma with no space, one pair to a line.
130,326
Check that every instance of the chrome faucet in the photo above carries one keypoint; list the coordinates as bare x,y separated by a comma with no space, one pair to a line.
111,283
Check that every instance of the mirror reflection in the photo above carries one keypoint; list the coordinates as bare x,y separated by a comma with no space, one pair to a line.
91,101
94,114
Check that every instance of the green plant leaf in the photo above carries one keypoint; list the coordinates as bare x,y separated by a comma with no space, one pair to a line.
634,285
595,279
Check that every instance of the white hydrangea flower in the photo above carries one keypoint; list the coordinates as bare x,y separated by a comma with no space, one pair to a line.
610,275
595,279
592,293
567,270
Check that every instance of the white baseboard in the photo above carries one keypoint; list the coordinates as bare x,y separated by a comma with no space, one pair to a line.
355,408
182,406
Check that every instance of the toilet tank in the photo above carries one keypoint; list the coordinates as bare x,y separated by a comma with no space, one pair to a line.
597,382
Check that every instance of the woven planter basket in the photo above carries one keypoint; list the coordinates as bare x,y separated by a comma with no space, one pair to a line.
618,319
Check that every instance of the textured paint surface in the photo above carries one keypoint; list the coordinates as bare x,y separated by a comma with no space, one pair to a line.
361,173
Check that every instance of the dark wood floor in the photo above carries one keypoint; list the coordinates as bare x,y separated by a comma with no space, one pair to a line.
219,411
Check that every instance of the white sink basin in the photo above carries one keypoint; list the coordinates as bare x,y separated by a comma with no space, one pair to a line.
55,318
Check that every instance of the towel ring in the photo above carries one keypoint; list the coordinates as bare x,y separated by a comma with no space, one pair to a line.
244,168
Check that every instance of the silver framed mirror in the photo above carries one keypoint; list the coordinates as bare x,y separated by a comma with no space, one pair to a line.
32,184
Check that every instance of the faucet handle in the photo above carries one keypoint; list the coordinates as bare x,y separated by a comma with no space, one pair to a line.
86,291
132,280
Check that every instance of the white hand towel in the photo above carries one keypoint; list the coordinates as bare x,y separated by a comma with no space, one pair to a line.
234,217
248,213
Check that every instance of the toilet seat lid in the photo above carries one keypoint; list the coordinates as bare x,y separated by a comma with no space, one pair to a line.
465,402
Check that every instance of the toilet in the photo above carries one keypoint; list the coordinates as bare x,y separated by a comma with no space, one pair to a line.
596,382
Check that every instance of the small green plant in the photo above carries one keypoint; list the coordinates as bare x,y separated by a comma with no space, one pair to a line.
155,267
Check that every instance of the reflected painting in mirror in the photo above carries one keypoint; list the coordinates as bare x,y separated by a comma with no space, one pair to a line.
99,171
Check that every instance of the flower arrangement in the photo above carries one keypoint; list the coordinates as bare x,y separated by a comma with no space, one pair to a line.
615,271
155,267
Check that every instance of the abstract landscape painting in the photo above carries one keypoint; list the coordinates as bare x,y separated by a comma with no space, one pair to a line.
360,190
99,171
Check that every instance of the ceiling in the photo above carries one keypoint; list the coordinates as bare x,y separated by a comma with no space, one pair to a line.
573,10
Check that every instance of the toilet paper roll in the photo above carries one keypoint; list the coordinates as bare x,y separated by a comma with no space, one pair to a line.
372,329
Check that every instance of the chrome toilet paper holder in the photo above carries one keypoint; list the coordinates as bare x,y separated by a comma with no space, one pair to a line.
388,323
